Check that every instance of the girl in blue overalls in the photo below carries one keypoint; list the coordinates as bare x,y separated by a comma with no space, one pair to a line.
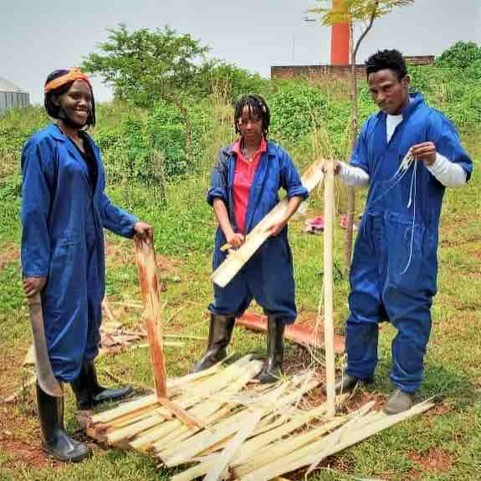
64,211
246,180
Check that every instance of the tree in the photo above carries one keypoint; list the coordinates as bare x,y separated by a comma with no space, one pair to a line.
461,55
146,65
351,12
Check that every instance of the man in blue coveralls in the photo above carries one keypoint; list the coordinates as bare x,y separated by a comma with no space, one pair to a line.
407,154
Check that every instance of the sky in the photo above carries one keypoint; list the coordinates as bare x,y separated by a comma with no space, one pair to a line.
38,36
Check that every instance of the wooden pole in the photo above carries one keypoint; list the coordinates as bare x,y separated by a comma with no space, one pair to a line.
328,287
149,286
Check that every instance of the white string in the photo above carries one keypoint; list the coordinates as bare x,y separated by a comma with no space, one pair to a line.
412,197
399,174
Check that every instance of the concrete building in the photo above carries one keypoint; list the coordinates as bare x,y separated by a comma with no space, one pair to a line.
12,96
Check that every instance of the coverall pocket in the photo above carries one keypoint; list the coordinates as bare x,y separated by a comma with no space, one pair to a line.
406,254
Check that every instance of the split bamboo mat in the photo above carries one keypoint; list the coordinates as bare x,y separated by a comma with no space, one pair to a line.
244,431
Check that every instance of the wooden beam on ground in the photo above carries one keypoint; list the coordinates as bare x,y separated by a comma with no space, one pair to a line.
234,262
302,334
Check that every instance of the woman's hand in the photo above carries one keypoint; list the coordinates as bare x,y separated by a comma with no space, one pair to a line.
235,240
33,285
143,231
276,228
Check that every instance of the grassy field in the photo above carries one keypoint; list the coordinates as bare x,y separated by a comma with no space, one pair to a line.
443,444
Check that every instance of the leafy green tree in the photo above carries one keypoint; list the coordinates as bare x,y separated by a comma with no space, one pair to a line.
461,55
143,66
363,12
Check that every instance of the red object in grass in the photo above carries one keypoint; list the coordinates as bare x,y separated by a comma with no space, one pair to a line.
300,334
343,223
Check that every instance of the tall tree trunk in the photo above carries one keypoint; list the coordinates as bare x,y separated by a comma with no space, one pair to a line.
351,196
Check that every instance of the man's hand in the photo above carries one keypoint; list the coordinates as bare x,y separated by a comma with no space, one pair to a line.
425,151
235,240
143,231
33,285
336,165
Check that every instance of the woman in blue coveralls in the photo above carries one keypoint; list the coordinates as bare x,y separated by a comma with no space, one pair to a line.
64,211
394,269
246,180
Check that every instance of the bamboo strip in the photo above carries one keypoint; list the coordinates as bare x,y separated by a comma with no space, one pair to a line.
254,445
250,371
328,282
236,260
183,415
149,286
202,441
203,389
182,434
145,440
185,401
200,411
280,449
309,454
225,457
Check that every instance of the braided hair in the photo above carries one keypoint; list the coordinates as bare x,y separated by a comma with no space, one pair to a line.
257,107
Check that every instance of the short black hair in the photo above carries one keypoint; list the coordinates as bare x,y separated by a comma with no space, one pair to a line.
387,59
54,110
257,106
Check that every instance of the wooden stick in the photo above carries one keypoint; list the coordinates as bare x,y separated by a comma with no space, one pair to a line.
149,286
328,288
232,265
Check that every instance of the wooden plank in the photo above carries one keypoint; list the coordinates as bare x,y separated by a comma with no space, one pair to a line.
236,260
149,286
329,288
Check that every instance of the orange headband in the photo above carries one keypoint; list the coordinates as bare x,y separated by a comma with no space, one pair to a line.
71,76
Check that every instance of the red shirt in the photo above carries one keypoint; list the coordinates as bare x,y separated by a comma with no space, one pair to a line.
244,172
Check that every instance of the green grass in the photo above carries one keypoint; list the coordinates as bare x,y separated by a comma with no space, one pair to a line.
184,233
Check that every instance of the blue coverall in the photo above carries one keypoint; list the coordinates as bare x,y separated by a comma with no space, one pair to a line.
394,269
63,218
268,275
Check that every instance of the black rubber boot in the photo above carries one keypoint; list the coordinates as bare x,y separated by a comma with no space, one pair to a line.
220,333
275,351
55,439
347,384
89,392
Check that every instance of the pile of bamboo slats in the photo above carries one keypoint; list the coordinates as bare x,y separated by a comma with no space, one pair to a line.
254,433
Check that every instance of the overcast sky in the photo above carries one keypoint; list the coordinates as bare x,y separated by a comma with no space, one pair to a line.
38,36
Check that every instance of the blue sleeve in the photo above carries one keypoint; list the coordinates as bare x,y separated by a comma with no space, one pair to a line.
359,157
443,133
114,218
219,181
38,185
290,179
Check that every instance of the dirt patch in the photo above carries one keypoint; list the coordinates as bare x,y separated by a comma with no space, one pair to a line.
10,253
434,460
122,253
20,438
